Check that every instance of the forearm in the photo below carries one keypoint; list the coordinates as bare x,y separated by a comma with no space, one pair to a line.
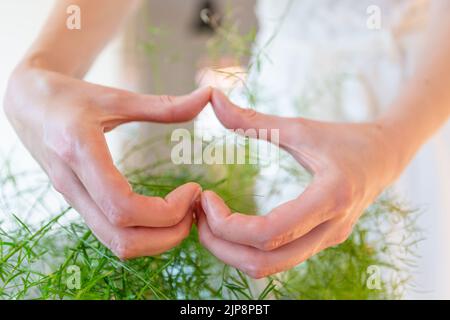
423,105
72,52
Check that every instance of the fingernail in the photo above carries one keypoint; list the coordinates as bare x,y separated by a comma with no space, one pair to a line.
195,197
206,202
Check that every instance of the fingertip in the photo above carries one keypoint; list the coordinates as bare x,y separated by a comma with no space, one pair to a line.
190,188
218,98
209,195
187,107
182,199
197,193
193,185
203,89
205,200
202,93
209,90
228,113
215,91
213,204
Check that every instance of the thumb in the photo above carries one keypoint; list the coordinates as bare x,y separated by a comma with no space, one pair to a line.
163,109
252,123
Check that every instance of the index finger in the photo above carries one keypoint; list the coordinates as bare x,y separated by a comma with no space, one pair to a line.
93,164
258,263
280,226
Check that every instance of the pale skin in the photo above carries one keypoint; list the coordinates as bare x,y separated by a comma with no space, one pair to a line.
62,119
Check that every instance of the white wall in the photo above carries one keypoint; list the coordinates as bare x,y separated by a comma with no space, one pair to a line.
19,24
20,21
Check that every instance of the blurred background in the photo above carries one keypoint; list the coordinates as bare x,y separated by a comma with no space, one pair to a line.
164,49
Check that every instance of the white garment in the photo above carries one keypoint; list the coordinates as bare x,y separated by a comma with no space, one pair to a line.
326,63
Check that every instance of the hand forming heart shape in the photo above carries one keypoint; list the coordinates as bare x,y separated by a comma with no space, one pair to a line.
351,164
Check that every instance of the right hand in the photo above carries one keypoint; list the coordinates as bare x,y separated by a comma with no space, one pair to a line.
62,121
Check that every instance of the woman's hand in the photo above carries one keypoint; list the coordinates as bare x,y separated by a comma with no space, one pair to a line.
351,164
62,121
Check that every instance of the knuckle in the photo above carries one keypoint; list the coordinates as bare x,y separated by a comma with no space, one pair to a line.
177,217
342,236
257,274
123,247
256,268
118,218
174,216
117,215
269,245
269,242
268,239
216,227
167,99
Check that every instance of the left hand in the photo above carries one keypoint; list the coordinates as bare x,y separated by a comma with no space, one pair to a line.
351,164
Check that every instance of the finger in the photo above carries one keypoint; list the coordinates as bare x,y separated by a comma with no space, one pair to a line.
254,123
93,165
300,137
280,226
257,263
126,107
126,243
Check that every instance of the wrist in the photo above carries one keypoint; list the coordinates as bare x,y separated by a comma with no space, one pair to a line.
26,80
401,141
28,75
46,61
